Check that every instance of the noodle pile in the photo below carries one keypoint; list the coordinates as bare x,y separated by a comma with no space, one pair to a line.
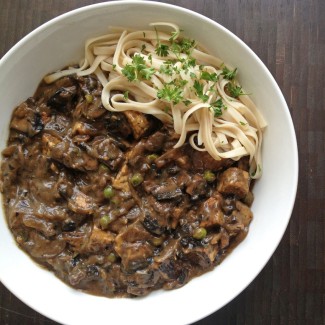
177,81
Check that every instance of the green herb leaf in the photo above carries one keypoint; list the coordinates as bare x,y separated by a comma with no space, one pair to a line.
162,49
146,73
234,91
138,60
129,72
228,74
176,70
166,69
209,76
184,46
187,45
182,82
204,98
198,87
171,93
190,62
199,91
187,102
175,48
166,109
174,35
126,94
217,107
150,58
138,69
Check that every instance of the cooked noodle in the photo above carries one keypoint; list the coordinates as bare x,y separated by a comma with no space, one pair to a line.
233,132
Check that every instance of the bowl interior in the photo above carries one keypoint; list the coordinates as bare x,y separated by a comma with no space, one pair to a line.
59,43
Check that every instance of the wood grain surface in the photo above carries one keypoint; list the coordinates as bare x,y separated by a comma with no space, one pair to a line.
289,37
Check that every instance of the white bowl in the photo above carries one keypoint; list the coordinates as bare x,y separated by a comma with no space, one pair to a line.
60,42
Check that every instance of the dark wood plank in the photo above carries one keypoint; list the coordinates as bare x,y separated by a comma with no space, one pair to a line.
289,37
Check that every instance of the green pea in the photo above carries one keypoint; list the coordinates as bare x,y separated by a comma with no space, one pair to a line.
104,221
199,233
89,98
115,201
109,192
111,257
103,167
151,158
136,179
209,176
157,241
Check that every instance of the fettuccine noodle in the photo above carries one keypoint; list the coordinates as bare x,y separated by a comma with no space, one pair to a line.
178,84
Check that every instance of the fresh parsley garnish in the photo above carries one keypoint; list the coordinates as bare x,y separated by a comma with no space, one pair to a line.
228,74
166,69
198,87
209,76
174,35
175,48
187,102
150,58
171,92
187,45
217,107
176,70
166,109
138,69
146,73
162,49
126,94
199,91
217,111
181,83
190,62
234,91
184,46
204,98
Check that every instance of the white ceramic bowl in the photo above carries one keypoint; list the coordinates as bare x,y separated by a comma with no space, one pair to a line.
60,42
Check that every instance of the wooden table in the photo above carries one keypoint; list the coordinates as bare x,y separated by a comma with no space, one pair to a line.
289,37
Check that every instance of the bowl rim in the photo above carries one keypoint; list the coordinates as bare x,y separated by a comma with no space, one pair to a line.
295,169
